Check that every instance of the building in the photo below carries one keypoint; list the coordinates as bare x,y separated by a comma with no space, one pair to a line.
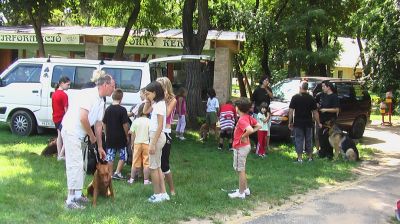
348,65
101,42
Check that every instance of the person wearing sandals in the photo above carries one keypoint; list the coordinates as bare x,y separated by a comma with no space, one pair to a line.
155,104
171,105
83,113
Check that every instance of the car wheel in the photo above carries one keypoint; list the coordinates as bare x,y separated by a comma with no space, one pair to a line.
22,123
358,128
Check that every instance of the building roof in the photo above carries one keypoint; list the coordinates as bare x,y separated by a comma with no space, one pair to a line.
350,54
110,31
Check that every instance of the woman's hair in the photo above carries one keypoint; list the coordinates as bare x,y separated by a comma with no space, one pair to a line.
63,79
155,87
97,74
264,105
262,79
211,93
140,110
243,104
167,86
181,91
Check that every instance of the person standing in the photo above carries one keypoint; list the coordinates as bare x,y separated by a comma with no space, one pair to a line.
116,127
302,109
245,126
227,118
211,115
83,113
181,110
59,104
263,117
328,111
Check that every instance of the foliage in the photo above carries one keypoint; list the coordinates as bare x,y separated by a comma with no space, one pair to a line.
35,187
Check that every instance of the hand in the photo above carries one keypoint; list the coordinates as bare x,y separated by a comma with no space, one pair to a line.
152,149
323,110
92,139
243,139
320,125
102,153
290,126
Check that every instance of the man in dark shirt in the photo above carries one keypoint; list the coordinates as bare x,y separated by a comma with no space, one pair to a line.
304,107
329,109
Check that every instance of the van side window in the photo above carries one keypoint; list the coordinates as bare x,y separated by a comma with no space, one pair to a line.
344,90
23,73
78,75
127,79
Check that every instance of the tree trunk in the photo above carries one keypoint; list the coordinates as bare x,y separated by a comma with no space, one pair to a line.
242,87
320,47
310,63
119,51
37,26
193,43
265,58
366,70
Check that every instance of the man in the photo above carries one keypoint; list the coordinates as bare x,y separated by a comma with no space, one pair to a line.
84,111
328,110
303,107
261,94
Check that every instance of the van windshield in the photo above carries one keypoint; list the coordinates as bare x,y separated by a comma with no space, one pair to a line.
286,89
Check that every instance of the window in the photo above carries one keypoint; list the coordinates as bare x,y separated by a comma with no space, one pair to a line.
344,90
340,74
126,79
79,76
23,73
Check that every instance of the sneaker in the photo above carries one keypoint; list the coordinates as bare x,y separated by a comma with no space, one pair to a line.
155,198
237,194
81,200
117,176
246,192
299,161
220,148
146,182
231,149
73,206
131,181
59,158
165,196
201,139
182,138
310,159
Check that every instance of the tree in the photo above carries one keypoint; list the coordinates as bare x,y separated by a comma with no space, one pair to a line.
193,44
39,13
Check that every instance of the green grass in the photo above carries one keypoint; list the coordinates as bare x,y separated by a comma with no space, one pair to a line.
394,118
33,187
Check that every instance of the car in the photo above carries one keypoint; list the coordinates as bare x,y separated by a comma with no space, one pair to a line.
355,104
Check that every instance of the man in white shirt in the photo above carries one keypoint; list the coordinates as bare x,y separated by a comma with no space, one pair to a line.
86,109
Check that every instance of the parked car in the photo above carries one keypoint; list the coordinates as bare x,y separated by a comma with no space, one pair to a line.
355,104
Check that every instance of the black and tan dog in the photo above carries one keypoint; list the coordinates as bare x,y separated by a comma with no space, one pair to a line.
101,184
342,143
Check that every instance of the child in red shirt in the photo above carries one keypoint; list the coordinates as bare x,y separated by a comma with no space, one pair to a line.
245,126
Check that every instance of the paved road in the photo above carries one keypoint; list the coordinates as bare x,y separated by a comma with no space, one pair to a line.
371,199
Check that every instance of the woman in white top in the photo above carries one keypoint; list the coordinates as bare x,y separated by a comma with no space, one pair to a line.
211,115
156,105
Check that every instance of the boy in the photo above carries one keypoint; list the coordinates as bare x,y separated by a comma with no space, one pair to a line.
227,120
116,126
140,139
245,126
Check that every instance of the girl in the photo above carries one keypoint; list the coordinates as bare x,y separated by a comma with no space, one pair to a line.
263,118
156,105
181,110
211,116
60,106
171,105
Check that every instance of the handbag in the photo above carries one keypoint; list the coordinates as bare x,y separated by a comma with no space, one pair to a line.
91,156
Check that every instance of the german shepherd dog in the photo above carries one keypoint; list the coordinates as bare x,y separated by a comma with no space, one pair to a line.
342,143
101,183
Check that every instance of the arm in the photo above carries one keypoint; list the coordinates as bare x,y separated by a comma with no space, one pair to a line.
316,118
133,136
152,146
269,92
171,106
126,130
86,125
180,99
98,127
290,124
330,110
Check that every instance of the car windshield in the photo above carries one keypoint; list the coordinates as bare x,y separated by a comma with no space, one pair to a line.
286,89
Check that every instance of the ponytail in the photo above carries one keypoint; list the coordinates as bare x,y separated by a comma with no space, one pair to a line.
63,79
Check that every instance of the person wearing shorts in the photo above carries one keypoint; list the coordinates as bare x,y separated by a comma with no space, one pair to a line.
245,126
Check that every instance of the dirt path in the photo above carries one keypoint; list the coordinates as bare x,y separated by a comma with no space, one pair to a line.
369,199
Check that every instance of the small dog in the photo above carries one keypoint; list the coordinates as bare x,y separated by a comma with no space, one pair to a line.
101,183
51,148
342,143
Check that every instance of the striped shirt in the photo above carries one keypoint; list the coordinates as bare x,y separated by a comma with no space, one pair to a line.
227,117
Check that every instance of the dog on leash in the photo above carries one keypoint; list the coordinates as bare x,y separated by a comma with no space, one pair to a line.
101,184
51,148
342,143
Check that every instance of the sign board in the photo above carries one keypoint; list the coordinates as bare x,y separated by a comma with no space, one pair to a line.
154,42
29,38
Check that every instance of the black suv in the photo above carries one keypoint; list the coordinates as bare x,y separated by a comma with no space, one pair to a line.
355,104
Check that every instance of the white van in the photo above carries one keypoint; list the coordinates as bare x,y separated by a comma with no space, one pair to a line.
26,87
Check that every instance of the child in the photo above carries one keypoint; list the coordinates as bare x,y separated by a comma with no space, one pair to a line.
140,138
227,120
211,116
181,110
241,145
156,105
115,124
60,106
263,118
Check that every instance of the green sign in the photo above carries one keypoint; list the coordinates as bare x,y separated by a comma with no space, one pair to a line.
31,38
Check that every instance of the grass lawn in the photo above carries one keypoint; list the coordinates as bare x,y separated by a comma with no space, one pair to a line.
33,188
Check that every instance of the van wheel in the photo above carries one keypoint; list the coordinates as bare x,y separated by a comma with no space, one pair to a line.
358,128
22,123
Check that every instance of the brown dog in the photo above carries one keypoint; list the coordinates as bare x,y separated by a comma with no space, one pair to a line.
101,183
51,148
342,143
